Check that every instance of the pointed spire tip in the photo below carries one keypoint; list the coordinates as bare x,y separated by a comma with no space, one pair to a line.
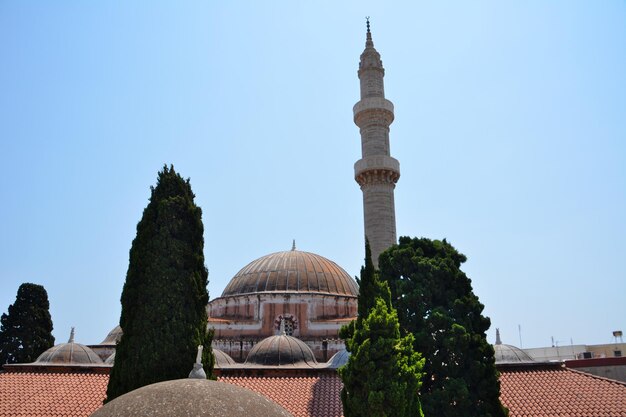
293,245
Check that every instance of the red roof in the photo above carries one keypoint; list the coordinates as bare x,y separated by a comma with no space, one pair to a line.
32,394
302,396
527,391
557,391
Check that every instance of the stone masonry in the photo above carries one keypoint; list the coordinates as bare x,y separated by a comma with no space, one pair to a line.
376,172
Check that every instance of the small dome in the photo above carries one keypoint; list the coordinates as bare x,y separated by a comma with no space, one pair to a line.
510,354
339,359
191,397
113,337
222,358
281,350
110,360
69,353
292,271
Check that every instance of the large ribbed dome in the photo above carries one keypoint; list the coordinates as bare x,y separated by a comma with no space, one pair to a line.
292,271
281,350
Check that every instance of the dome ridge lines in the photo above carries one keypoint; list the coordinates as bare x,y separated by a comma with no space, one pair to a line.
316,265
292,271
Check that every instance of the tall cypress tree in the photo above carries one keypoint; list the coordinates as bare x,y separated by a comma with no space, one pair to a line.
165,295
382,376
436,303
26,331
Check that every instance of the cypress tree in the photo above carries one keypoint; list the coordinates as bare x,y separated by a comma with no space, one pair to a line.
436,303
26,331
382,376
165,295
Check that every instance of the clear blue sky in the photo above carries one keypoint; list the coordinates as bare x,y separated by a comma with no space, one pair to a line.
510,130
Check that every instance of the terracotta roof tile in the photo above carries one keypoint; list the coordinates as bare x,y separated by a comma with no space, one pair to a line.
556,391
302,396
51,394
526,391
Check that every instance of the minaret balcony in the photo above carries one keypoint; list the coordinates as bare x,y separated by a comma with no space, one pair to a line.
379,163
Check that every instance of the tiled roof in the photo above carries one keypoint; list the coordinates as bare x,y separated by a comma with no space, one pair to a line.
537,391
31,394
302,396
556,391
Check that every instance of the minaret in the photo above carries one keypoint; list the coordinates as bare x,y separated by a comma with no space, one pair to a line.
376,172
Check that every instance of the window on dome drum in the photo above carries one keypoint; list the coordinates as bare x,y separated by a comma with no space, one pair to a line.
288,326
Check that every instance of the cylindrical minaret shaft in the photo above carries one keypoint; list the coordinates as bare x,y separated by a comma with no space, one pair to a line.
376,172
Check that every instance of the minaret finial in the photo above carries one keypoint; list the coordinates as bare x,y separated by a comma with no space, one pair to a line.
498,341
71,336
293,245
368,40
198,371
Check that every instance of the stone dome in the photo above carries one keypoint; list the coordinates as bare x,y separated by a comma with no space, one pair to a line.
191,397
339,359
113,337
292,271
69,353
281,350
508,354
222,359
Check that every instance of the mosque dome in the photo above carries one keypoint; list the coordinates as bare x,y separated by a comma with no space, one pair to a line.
222,359
292,271
191,397
508,354
69,353
113,337
339,359
111,359
281,350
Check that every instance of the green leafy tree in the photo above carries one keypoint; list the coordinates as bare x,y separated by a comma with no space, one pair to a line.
382,376
436,304
165,295
26,331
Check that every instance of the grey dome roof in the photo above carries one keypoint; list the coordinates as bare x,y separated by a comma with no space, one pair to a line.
191,397
293,271
113,337
281,350
339,359
507,354
222,358
69,353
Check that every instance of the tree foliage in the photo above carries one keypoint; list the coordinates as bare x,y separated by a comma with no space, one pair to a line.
165,295
382,376
436,304
26,331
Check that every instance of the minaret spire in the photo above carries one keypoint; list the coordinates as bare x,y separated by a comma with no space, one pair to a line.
376,172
